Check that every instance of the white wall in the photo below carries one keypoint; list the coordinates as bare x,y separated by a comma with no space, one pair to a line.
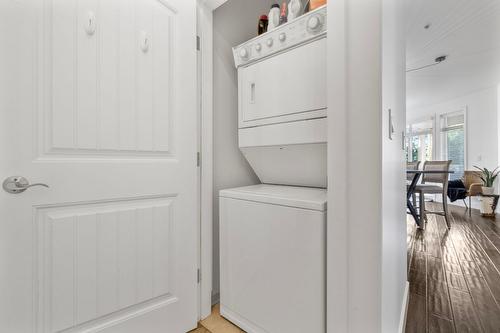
393,165
234,22
366,254
482,124
498,125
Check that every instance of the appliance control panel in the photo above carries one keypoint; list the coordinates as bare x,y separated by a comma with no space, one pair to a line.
307,27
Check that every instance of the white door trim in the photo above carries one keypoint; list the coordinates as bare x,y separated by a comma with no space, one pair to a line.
205,28
336,298
205,33
404,308
337,231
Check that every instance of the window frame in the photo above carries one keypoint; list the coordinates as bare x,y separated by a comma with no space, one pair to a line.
439,133
410,134
436,133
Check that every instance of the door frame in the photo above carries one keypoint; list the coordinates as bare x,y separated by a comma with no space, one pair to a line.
205,10
354,28
338,301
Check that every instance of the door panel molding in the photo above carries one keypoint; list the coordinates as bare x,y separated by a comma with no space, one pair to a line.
109,93
101,263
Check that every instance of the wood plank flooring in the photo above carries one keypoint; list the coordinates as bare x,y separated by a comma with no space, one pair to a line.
215,323
200,329
454,274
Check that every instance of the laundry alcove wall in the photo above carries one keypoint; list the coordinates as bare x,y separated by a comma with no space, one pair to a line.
233,23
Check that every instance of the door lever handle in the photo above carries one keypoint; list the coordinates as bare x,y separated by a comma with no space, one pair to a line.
18,184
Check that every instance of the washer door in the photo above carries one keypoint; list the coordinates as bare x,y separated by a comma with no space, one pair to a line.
272,267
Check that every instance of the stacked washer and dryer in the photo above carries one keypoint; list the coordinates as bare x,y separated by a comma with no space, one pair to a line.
273,235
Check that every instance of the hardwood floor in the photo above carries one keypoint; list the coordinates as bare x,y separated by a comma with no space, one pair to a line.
215,323
454,274
200,329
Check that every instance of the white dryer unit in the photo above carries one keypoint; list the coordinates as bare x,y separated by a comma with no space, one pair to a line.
282,102
272,251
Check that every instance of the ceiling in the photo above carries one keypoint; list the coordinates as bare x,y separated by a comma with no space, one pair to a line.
468,32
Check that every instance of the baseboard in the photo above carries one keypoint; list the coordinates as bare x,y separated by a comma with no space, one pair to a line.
404,308
240,321
402,321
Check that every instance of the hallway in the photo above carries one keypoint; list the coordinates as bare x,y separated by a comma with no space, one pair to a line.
454,275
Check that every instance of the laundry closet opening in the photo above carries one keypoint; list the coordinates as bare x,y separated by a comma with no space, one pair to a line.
269,168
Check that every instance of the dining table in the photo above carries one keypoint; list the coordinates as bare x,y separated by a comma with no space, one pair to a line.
410,191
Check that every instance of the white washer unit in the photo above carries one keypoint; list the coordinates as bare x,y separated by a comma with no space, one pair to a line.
272,258
282,102
272,237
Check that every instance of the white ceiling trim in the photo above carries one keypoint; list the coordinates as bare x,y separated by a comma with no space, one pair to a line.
213,4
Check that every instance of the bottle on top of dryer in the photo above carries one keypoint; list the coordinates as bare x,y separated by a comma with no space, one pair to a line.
274,17
283,17
294,9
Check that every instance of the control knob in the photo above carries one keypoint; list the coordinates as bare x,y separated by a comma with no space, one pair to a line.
314,23
244,53
270,42
282,37
258,47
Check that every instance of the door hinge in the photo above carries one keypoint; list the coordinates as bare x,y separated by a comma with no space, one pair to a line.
198,275
198,43
198,159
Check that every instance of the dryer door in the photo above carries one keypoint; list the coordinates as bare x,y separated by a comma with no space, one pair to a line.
286,87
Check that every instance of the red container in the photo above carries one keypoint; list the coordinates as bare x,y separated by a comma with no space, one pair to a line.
263,22
316,4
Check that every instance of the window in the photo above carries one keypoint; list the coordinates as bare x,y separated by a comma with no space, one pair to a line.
452,141
419,146
444,139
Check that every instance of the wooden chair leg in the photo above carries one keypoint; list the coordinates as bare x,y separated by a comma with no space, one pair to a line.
445,208
423,218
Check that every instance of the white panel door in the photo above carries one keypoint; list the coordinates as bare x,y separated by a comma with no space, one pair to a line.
98,101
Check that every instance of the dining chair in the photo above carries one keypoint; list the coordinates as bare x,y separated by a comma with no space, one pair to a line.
412,166
409,177
434,183
473,185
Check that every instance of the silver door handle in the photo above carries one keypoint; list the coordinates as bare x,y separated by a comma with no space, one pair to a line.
18,184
